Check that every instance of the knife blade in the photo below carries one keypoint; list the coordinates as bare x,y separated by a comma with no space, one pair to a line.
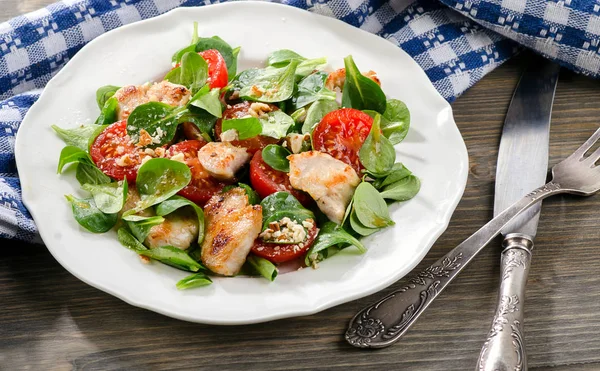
522,165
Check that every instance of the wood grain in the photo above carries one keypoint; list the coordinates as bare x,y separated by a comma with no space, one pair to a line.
52,321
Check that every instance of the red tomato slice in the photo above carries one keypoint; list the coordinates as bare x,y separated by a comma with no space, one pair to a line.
280,253
251,144
265,180
115,154
202,186
341,133
217,68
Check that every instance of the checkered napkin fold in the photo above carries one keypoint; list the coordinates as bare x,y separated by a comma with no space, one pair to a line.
456,42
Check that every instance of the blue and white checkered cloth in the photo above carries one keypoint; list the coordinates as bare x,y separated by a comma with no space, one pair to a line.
456,42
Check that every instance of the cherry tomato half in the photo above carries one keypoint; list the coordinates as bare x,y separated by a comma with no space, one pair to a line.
265,180
202,186
251,144
280,253
115,154
217,68
341,133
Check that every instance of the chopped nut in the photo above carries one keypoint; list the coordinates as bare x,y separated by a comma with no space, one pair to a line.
160,152
145,138
259,110
256,91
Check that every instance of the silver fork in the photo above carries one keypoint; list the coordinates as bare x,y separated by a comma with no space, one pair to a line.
383,323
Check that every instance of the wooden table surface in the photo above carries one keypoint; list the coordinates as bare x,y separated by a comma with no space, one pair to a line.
49,320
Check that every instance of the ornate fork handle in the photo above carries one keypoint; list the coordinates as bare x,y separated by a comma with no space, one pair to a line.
383,323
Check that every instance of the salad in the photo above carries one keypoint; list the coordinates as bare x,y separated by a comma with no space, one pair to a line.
220,172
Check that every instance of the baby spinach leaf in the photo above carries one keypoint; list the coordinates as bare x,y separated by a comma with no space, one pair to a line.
70,154
316,112
377,154
283,57
168,206
208,100
245,78
331,235
397,121
199,117
158,119
159,179
109,197
299,115
398,172
223,48
89,216
108,113
402,190
88,173
174,257
190,48
271,84
253,197
276,157
140,225
233,69
361,92
80,136
278,205
359,228
370,207
276,124
247,127
262,266
193,71
104,93
129,241
309,66
312,88
194,280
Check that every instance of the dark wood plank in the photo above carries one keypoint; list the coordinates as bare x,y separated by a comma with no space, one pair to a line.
51,320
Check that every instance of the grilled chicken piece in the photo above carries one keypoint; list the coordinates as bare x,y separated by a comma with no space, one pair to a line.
180,229
131,96
232,226
327,180
222,159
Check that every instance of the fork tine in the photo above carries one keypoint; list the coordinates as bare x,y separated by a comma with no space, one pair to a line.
586,146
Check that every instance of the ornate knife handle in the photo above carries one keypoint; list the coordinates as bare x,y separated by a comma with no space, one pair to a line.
504,348
383,323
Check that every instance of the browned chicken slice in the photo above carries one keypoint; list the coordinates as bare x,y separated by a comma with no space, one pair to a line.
222,159
232,226
131,96
327,180
180,229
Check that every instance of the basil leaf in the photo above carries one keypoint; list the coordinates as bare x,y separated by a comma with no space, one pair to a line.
377,153
331,235
89,216
158,119
79,137
360,228
262,266
307,67
208,100
108,113
361,92
247,127
402,190
88,173
311,89
223,48
104,93
370,207
174,257
168,206
316,112
271,84
278,205
140,225
70,154
190,48
276,157
398,121
109,198
276,124
159,179
129,241
194,280
283,57
398,172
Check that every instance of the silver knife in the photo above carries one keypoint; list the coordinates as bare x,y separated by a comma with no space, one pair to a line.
522,166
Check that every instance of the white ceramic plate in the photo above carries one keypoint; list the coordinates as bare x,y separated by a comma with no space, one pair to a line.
433,150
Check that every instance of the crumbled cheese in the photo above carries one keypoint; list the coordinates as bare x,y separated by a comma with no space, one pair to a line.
159,134
308,224
150,152
286,231
120,150
146,159
229,135
179,157
124,161
145,138
259,110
